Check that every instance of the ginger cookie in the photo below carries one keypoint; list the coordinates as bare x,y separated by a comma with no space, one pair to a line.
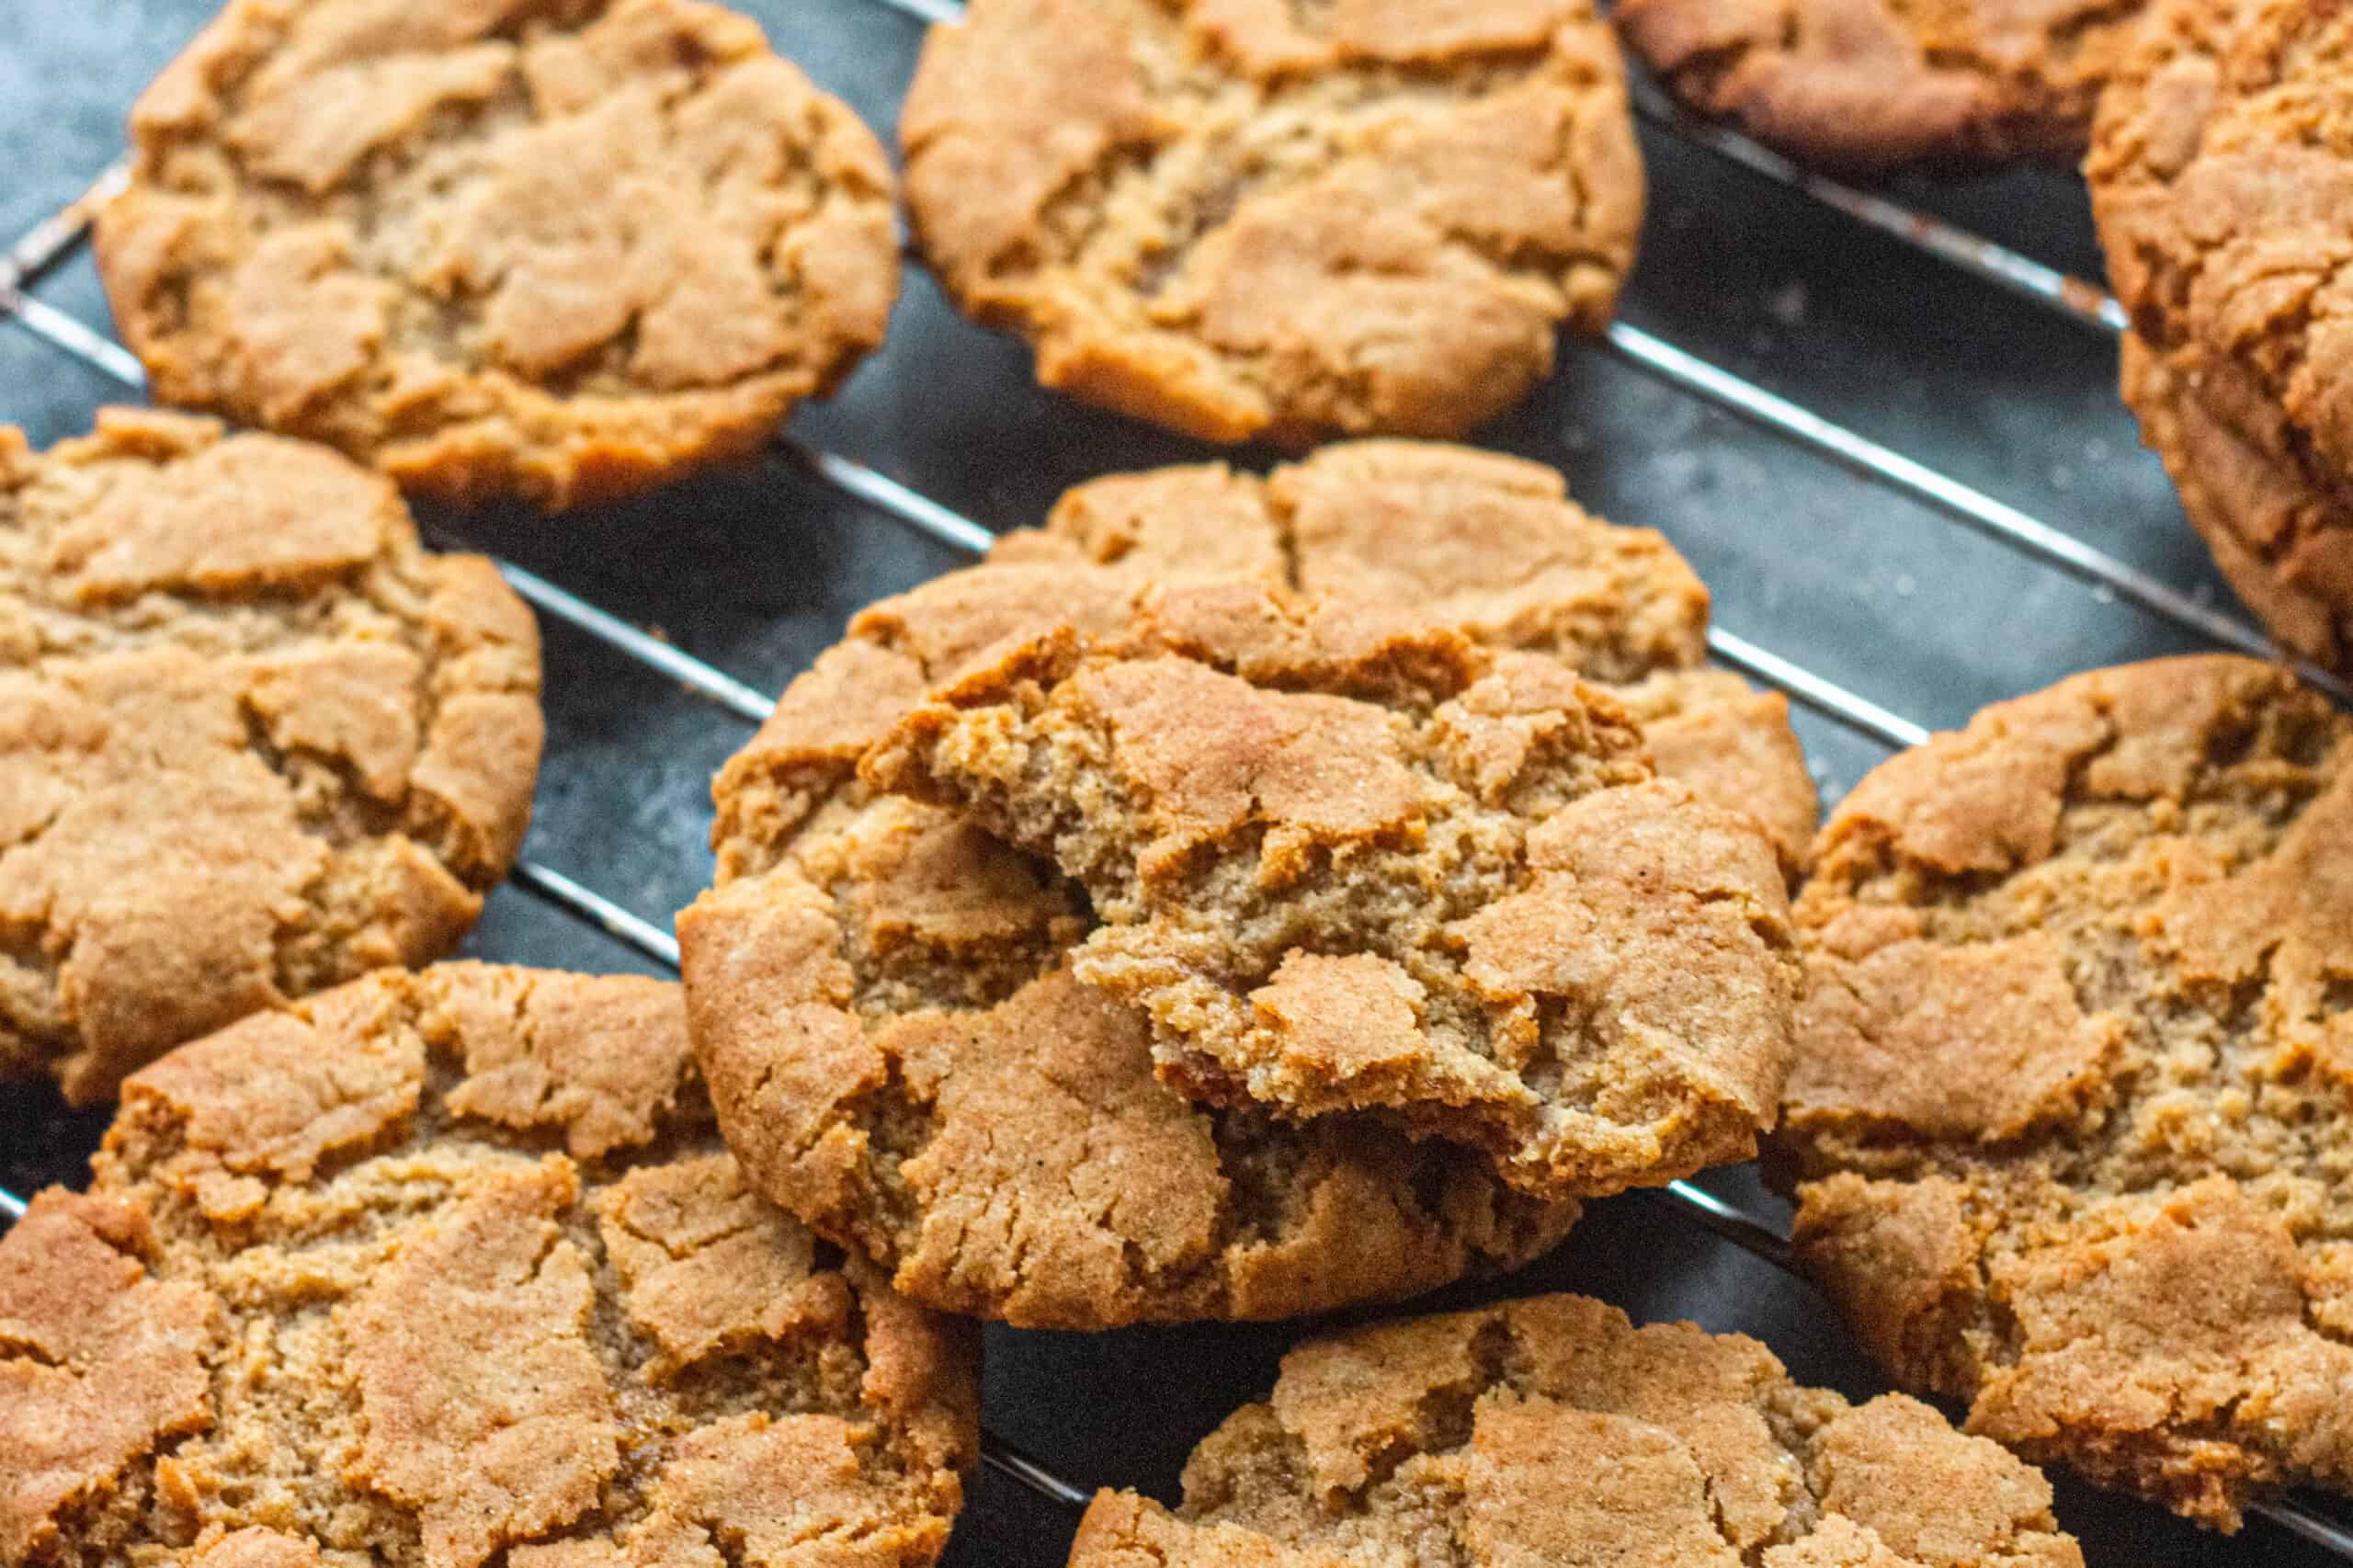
253,739
1486,543
1870,85
553,250
1553,1430
447,1269
2217,179
2070,1115
1350,864
880,995
1239,218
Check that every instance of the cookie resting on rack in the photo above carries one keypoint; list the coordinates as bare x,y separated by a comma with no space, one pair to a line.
2070,1116
2275,534
443,1269
881,994
547,250
2220,178
1244,218
253,739
1486,543
1866,87
1348,863
1551,1430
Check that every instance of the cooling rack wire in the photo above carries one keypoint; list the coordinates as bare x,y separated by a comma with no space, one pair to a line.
2080,303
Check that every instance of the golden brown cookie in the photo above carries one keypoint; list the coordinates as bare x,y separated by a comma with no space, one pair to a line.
254,741
1551,1430
548,249
1868,86
880,995
2069,1112
1348,863
2285,544
442,1269
1487,543
2221,178
1242,218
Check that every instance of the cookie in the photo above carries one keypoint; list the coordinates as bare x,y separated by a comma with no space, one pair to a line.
2283,543
2217,179
1239,218
881,996
553,250
1553,1430
1870,85
2069,1114
449,1268
1352,864
1486,543
254,741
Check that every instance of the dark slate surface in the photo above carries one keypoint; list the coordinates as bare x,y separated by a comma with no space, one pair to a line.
757,570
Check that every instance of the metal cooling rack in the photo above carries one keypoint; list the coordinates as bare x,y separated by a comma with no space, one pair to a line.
2071,300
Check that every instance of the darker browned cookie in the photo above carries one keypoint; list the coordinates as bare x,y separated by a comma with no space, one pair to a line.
881,994
444,1269
550,249
1247,218
1486,543
1867,85
1554,1431
254,741
2070,1110
1347,863
2224,187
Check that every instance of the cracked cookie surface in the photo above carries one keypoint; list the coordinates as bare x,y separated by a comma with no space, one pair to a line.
879,993
2222,178
548,249
450,1269
1553,1430
2069,1112
1350,864
253,739
1869,85
1244,217
1486,543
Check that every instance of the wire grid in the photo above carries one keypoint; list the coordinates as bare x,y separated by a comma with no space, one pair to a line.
2071,299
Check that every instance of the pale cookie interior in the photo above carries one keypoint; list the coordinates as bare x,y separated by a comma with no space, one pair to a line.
1350,864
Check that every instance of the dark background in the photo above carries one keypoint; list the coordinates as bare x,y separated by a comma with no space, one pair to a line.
756,571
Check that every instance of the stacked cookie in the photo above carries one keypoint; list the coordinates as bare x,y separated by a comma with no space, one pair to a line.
1119,860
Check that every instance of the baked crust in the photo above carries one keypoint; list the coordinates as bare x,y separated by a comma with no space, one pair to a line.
2069,1113
446,1268
1553,1430
2223,193
1239,218
547,250
1871,86
253,739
